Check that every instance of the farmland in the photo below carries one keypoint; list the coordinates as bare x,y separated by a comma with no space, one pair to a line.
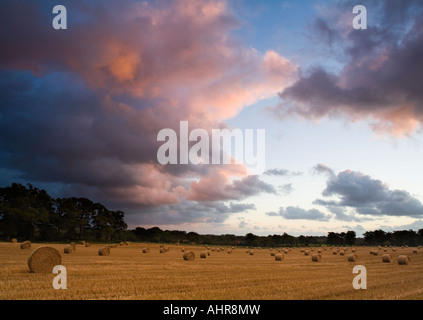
128,273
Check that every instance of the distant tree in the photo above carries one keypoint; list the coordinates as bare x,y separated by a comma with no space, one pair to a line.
334,238
350,237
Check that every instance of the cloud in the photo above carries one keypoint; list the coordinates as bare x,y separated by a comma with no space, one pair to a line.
217,186
188,212
82,107
286,188
281,172
296,213
321,168
380,68
367,197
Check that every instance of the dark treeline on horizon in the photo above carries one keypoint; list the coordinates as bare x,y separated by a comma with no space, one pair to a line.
377,237
28,213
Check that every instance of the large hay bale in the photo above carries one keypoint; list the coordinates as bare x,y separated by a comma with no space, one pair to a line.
415,251
306,252
83,243
352,257
104,251
316,257
278,257
145,250
374,252
335,252
203,255
87,244
26,245
163,250
272,253
189,255
43,260
229,251
403,260
387,258
69,249
286,251
342,252
14,240
251,252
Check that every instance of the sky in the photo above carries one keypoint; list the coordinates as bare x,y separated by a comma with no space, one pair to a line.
342,110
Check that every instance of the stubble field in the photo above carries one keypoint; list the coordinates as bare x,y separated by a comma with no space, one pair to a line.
128,273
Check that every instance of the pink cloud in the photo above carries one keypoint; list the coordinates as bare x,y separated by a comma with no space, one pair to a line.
150,65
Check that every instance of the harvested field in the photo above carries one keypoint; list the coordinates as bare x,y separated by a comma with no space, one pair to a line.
129,274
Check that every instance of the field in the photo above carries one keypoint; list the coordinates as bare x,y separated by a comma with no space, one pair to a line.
127,273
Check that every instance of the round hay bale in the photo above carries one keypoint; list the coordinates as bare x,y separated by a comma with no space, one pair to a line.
306,252
415,251
83,243
104,251
278,257
334,252
203,255
342,252
387,258
403,260
145,250
26,245
272,254
189,255
251,252
229,251
163,250
87,244
352,257
316,257
73,244
374,252
353,249
14,240
286,251
319,250
208,252
69,249
43,260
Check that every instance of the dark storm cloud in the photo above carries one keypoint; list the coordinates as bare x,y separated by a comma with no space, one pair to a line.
366,196
81,108
381,72
189,212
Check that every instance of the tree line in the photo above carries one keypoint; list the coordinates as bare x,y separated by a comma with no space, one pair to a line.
28,213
